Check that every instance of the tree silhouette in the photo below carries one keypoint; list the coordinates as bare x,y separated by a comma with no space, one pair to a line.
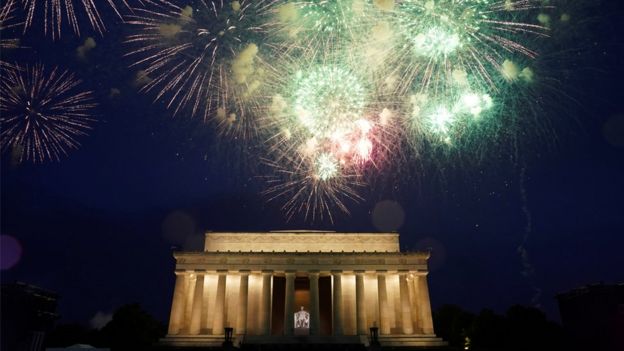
521,328
453,324
131,329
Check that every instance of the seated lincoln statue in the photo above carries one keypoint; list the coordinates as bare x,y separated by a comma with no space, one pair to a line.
302,322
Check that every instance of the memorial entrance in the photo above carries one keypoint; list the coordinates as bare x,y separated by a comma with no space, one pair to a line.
301,286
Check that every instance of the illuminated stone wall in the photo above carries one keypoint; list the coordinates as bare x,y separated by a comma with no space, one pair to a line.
303,241
230,284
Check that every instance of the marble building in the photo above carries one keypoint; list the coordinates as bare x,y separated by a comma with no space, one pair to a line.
301,286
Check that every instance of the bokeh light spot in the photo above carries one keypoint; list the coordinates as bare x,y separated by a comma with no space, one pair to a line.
11,252
388,216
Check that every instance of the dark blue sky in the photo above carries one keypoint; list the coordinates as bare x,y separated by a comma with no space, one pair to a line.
94,227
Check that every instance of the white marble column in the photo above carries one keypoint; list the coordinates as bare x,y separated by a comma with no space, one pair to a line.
406,312
289,304
337,302
198,304
384,314
266,302
189,290
424,305
414,304
243,298
360,303
219,314
178,304
315,314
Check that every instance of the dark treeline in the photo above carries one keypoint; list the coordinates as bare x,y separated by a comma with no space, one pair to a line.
520,328
130,329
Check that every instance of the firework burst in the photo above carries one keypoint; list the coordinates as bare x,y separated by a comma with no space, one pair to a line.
8,21
437,39
312,27
43,112
314,117
55,13
314,187
445,115
200,56
325,130
324,108
337,88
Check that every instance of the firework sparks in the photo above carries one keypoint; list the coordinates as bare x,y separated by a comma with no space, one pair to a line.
475,36
444,115
327,99
322,110
315,188
56,12
335,88
326,167
42,112
7,21
324,130
314,26
200,56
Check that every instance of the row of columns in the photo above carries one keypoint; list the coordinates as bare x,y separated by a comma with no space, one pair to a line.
414,309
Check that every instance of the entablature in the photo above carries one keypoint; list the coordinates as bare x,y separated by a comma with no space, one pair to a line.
302,262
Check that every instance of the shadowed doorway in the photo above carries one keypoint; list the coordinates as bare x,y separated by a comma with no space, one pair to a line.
325,305
302,298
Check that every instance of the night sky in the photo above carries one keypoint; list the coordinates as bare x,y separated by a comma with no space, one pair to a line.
99,226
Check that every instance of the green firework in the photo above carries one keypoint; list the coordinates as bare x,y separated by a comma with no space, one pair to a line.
326,167
316,26
327,98
477,36
445,115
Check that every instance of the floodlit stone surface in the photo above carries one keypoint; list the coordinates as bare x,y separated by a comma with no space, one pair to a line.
249,282
302,241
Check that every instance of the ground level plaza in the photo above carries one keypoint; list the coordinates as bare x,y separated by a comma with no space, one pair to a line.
335,286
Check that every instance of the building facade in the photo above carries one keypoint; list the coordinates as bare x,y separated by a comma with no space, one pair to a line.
260,283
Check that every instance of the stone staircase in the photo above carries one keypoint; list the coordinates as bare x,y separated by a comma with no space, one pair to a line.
411,341
324,343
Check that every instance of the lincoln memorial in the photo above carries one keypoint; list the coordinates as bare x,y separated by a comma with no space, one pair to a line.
301,286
